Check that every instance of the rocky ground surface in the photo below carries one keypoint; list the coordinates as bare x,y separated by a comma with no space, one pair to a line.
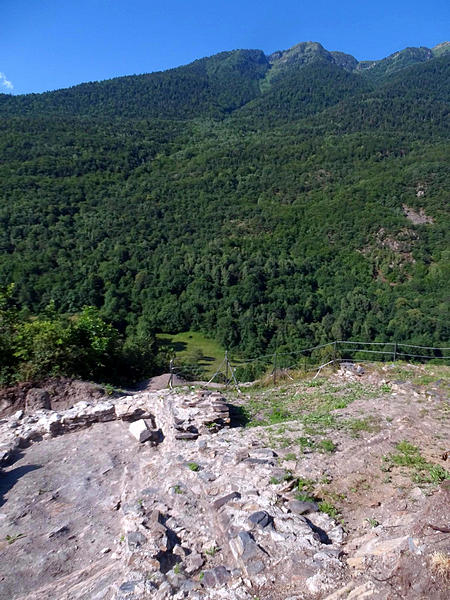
333,487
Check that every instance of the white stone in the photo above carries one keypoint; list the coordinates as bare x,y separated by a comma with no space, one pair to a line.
140,431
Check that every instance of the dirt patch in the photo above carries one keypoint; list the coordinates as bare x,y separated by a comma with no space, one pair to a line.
63,393
160,382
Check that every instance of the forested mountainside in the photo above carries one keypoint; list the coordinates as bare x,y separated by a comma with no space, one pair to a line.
269,201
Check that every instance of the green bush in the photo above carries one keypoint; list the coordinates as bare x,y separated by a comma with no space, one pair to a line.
82,345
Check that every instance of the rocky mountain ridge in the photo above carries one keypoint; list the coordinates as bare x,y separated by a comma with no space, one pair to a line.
299,55
305,52
252,71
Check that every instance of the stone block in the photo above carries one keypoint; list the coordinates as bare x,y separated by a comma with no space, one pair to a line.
186,435
127,410
300,507
140,431
244,547
222,501
216,576
261,518
135,540
193,562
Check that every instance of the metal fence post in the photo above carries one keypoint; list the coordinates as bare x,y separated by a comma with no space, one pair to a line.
171,373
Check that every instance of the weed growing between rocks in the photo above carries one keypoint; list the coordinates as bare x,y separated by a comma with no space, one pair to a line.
287,476
421,471
305,490
13,538
327,446
329,509
357,426
306,493
440,565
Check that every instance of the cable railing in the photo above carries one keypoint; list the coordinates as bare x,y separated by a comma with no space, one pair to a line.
233,371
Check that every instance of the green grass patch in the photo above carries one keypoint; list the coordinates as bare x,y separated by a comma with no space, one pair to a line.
356,426
290,456
305,489
287,476
329,509
305,442
327,446
318,422
279,415
421,470
312,405
304,497
193,348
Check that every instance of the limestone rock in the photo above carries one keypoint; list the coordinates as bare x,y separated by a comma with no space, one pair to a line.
216,576
222,501
301,507
140,430
129,408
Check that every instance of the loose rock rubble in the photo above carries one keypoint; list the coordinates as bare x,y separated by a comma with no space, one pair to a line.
157,495
200,514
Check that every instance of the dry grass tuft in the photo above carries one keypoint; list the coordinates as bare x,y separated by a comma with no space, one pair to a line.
440,565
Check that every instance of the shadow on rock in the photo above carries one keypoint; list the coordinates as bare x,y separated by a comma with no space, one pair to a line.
8,479
323,536
238,416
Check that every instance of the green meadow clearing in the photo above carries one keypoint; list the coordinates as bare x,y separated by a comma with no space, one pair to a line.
193,348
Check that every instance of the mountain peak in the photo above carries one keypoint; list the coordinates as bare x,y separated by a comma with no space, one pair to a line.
300,53
441,49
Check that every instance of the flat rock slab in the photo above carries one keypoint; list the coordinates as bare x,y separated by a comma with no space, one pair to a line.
57,505
301,507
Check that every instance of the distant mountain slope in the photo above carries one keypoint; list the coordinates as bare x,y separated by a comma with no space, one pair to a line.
378,70
303,90
264,200
210,86
414,99
220,84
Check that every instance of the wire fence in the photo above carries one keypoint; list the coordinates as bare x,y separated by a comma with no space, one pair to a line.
280,364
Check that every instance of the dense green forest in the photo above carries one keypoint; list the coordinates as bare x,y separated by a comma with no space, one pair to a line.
268,201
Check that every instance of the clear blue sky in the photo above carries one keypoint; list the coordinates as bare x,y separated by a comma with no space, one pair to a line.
49,44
